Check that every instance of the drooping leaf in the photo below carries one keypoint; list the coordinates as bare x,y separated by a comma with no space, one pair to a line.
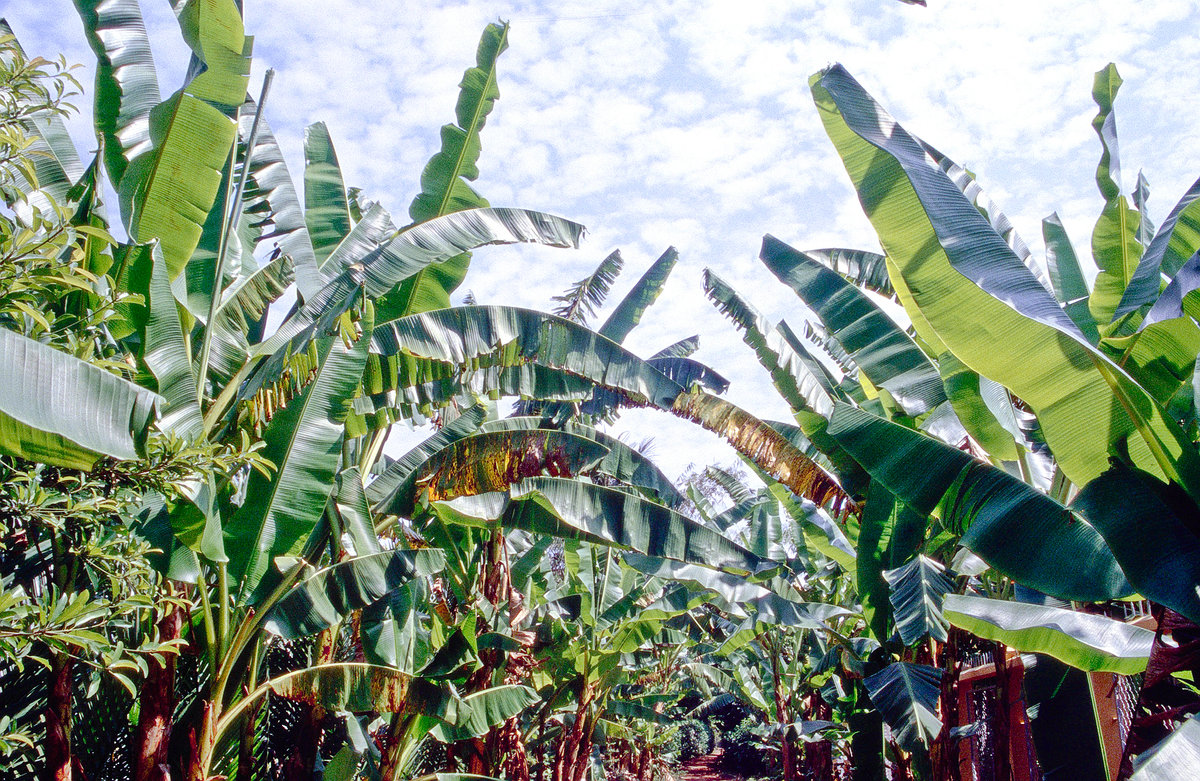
1084,641
492,461
579,302
126,82
577,510
917,591
1174,758
769,450
58,409
329,595
644,293
907,697
360,688
482,710
975,293
622,462
963,388
878,346
399,471
863,269
1152,532
1019,531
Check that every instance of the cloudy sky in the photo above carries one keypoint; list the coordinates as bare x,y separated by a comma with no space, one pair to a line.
690,124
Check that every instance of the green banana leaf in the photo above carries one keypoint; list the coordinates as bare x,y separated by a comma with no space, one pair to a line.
975,293
800,378
1153,533
444,187
579,302
1066,277
59,410
863,269
890,532
681,349
167,356
329,595
1174,758
491,461
126,82
879,347
963,387
1115,245
167,192
907,695
1177,239
606,516
303,441
917,591
242,307
481,711
271,209
643,293
326,211
437,346
356,526
1084,641
1014,528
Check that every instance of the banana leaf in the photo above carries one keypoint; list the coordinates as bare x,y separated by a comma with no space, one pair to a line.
1153,533
167,356
1084,641
605,516
326,211
879,347
975,293
917,591
890,532
491,461
1174,758
483,710
398,471
1014,528
271,209
643,293
579,302
1176,240
1066,277
126,82
907,695
331,594
444,187
1115,244
360,688
622,462
60,410
438,346
681,349
863,269
303,441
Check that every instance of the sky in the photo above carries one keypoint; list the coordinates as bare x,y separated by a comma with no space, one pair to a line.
690,124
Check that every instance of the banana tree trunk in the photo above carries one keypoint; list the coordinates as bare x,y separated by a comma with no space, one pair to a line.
1000,720
818,755
58,721
781,711
943,753
157,705
574,751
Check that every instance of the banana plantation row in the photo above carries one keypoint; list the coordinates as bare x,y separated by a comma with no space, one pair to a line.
210,568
